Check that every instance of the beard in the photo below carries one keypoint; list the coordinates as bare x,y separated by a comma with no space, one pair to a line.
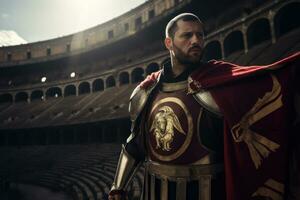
186,58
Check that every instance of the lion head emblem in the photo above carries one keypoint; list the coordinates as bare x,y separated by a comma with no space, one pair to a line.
163,127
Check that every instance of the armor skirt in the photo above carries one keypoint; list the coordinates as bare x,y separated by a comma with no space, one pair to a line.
183,182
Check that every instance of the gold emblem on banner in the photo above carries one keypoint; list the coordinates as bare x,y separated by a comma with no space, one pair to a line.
272,189
259,146
163,127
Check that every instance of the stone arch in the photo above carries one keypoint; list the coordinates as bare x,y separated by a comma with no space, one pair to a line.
84,88
37,95
98,85
233,42
152,67
258,31
110,82
54,92
21,96
6,98
137,75
124,78
70,90
212,51
287,19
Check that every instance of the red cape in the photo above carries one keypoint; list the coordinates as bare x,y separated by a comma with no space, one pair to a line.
257,104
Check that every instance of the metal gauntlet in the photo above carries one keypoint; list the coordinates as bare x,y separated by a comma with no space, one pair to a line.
127,167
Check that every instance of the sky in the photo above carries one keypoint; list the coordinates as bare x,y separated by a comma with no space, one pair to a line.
37,20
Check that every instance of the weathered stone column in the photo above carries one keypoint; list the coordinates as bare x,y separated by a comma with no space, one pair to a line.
272,26
245,41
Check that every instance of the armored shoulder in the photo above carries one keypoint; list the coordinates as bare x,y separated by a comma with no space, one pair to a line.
137,101
205,99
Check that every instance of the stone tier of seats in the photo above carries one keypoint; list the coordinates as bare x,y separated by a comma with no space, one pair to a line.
266,53
85,172
108,104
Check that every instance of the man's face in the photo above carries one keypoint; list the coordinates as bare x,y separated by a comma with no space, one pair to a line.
187,44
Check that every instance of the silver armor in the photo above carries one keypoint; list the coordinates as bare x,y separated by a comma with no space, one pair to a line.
203,173
180,175
127,166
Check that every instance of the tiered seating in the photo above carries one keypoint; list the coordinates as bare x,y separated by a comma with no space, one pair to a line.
234,56
9,114
59,111
4,106
266,53
84,171
114,105
253,53
296,46
278,50
36,110
109,104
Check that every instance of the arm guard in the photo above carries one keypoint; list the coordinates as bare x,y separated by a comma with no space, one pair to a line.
131,155
127,167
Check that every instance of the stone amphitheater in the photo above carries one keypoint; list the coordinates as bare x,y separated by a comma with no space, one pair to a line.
64,102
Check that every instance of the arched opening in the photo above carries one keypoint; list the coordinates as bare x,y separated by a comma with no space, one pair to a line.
137,75
233,43
152,67
258,32
212,51
21,96
287,19
70,90
110,82
37,95
84,88
124,78
98,85
6,98
54,92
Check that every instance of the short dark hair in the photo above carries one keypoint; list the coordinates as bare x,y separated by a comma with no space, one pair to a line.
172,25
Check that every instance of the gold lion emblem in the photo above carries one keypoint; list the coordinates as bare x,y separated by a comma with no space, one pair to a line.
163,125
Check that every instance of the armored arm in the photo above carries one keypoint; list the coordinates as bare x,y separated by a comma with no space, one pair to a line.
127,166
132,154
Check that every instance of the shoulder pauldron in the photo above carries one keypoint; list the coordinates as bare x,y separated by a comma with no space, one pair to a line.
138,100
205,99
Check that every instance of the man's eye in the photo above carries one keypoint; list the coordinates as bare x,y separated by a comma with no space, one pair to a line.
187,35
200,35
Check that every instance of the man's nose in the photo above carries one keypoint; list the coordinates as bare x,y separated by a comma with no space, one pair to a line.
196,39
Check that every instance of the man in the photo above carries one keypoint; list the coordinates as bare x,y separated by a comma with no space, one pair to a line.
178,115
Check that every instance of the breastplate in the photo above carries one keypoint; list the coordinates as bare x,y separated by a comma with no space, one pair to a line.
172,127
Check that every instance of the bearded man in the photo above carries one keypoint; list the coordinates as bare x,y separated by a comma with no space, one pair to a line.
217,125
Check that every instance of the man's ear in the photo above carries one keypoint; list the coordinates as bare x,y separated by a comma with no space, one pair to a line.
168,43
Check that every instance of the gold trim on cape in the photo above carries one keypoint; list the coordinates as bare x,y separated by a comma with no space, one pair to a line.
259,146
272,189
